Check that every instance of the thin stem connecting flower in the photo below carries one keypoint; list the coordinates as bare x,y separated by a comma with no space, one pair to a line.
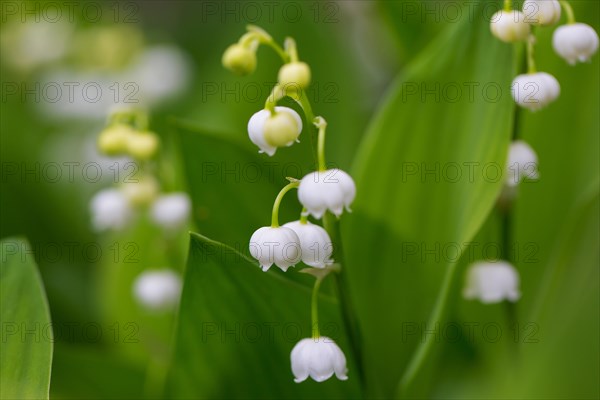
275,214
569,11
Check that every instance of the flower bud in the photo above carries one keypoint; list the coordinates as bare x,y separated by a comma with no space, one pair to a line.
541,12
535,91
294,76
575,42
142,145
158,290
110,210
239,59
142,192
318,358
510,26
171,211
331,190
279,246
269,131
315,243
492,282
113,140
522,163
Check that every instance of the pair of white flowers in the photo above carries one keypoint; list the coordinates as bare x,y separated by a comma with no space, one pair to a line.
114,209
297,241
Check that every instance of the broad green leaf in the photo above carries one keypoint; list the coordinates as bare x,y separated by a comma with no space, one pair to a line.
427,176
237,326
27,338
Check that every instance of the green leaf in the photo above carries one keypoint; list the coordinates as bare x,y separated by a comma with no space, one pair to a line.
26,357
237,326
417,197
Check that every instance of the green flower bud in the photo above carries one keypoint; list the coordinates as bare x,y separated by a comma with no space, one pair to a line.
142,192
142,145
294,76
282,129
239,59
113,140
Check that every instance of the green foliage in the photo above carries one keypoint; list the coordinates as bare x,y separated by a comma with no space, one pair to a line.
27,339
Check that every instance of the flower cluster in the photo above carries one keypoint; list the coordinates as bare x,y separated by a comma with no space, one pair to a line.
574,42
324,193
140,198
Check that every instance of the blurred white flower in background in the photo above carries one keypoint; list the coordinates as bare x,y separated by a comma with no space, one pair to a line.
27,46
492,282
541,12
171,211
521,164
110,210
318,358
535,91
157,290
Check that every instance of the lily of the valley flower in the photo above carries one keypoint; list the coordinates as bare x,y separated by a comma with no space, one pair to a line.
142,192
157,290
510,26
522,163
575,42
535,91
240,58
332,190
171,211
318,358
541,12
275,245
294,75
110,210
272,130
315,243
492,282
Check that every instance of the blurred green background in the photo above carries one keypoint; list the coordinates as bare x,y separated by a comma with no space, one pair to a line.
384,75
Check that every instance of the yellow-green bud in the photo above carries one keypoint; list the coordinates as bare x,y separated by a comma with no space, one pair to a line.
294,76
281,129
114,139
239,59
142,145
142,192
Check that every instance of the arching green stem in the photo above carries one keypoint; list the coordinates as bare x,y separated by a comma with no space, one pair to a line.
314,308
291,49
278,199
531,69
569,11
321,124
256,34
304,216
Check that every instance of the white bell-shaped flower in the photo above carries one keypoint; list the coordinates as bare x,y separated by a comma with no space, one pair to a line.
318,358
535,91
157,290
171,211
521,164
492,282
575,42
509,26
541,12
332,190
110,210
279,246
315,243
270,131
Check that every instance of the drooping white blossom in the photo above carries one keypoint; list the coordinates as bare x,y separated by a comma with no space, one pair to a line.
575,42
158,290
492,282
315,243
318,358
535,91
510,26
541,12
521,164
279,246
110,210
171,211
332,190
269,131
